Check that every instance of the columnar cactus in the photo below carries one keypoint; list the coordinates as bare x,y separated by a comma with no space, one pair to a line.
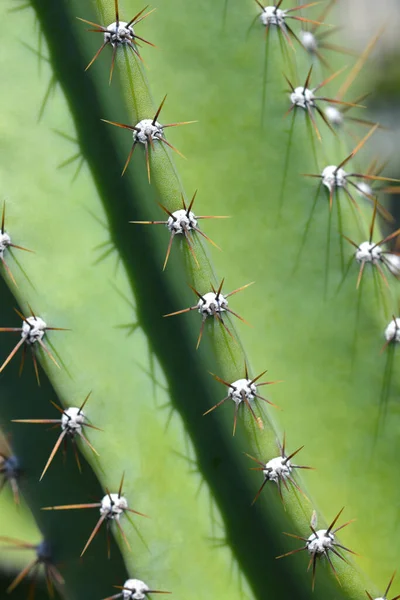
100,277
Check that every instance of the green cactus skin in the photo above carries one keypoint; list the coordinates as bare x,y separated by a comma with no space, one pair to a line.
137,379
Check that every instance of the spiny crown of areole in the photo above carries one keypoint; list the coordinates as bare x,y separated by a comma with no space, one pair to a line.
113,506
72,419
181,220
303,97
33,329
242,387
334,115
320,541
308,40
211,303
5,242
393,263
392,331
277,468
369,252
272,16
145,129
364,189
119,33
135,589
333,177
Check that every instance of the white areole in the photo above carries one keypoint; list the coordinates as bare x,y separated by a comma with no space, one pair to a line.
273,16
181,221
332,177
392,331
334,116
303,97
5,242
240,388
119,34
209,304
72,420
309,41
320,541
368,252
145,129
392,262
113,506
364,189
277,468
134,589
33,329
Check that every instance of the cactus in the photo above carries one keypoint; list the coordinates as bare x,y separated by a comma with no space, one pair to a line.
98,275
